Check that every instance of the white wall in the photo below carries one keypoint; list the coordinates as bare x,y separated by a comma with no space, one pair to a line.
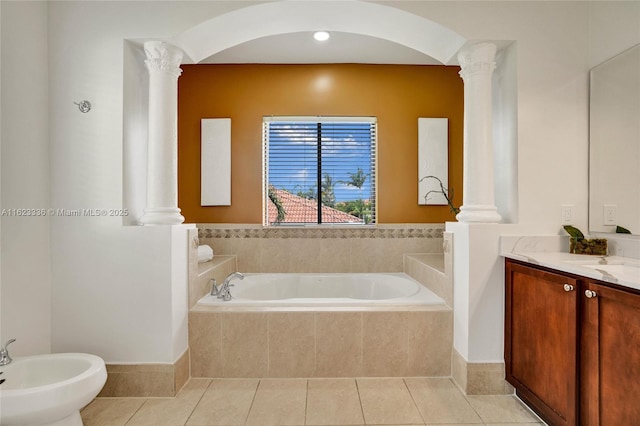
613,28
552,152
112,284
26,274
118,291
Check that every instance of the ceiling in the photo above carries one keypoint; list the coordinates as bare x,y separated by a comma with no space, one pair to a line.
302,48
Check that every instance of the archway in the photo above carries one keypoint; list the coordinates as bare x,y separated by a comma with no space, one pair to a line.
282,17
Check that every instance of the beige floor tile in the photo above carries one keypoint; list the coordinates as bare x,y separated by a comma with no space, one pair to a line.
387,401
333,402
225,402
501,408
279,402
440,401
110,411
171,411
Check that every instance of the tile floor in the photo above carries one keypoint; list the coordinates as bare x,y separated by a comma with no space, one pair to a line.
297,402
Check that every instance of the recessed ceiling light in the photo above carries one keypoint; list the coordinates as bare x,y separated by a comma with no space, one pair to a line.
321,35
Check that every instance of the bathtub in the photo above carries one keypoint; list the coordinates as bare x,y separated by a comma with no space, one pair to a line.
334,290
322,325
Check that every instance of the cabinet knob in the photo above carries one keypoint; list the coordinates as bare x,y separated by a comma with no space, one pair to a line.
568,287
590,294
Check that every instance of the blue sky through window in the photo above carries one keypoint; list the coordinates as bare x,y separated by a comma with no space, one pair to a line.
345,148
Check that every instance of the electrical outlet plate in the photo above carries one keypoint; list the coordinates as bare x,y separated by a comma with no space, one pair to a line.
610,214
567,214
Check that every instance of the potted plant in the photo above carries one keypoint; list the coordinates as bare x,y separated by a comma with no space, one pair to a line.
578,244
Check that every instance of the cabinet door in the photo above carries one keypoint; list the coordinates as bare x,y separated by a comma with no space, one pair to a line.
610,356
541,341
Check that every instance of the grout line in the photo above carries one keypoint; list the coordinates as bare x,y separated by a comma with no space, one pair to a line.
361,369
315,344
136,412
306,402
269,316
199,399
404,381
360,401
252,401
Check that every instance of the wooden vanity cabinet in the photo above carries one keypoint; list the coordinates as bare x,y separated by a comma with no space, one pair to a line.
610,356
572,346
541,336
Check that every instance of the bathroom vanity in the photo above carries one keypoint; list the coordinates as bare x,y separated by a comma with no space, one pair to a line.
572,337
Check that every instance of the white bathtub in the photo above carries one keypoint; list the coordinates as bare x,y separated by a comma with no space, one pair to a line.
325,290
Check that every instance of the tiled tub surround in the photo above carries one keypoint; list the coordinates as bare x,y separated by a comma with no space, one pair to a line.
434,271
411,341
316,249
200,274
327,342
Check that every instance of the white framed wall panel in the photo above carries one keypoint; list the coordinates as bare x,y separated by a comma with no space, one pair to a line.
433,159
215,162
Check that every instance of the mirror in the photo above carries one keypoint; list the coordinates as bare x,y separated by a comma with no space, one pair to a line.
614,144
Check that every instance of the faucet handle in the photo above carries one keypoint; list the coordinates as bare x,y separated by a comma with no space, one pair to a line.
8,343
214,287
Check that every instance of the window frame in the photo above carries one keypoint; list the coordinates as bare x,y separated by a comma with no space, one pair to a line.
372,120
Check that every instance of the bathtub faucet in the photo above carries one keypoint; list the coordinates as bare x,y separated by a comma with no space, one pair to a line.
225,293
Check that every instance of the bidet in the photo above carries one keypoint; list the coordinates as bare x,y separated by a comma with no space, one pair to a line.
49,390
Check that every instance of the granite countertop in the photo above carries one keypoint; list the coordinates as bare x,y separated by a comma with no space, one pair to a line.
618,270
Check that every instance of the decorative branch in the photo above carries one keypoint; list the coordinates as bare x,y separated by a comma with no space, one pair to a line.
273,196
446,192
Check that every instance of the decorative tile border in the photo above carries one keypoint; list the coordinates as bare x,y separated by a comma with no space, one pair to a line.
217,231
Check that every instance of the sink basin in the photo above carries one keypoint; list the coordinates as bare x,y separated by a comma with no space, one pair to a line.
49,389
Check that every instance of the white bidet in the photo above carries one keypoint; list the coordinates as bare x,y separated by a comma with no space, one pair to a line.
49,390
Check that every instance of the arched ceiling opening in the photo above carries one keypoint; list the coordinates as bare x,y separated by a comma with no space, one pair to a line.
376,28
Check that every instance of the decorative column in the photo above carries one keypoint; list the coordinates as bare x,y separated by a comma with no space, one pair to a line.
163,64
477,62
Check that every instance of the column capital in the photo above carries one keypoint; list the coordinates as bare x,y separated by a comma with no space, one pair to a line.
163,57
477,58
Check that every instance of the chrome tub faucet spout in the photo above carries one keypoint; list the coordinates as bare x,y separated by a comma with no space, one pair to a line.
224,292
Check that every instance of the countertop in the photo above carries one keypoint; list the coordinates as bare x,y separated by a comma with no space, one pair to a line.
618,270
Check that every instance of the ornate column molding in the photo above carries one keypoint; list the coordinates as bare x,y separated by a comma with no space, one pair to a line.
477,59
477,63
163,57
163,64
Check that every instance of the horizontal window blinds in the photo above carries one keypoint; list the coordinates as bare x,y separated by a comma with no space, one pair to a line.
338,157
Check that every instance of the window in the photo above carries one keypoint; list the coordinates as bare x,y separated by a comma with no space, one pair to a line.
319,170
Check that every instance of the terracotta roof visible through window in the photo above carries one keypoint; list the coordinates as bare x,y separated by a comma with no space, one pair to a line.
302,210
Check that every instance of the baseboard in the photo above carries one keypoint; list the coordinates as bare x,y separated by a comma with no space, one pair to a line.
146,380
479,378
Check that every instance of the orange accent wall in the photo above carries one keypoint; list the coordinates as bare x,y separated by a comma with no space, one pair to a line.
396,94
